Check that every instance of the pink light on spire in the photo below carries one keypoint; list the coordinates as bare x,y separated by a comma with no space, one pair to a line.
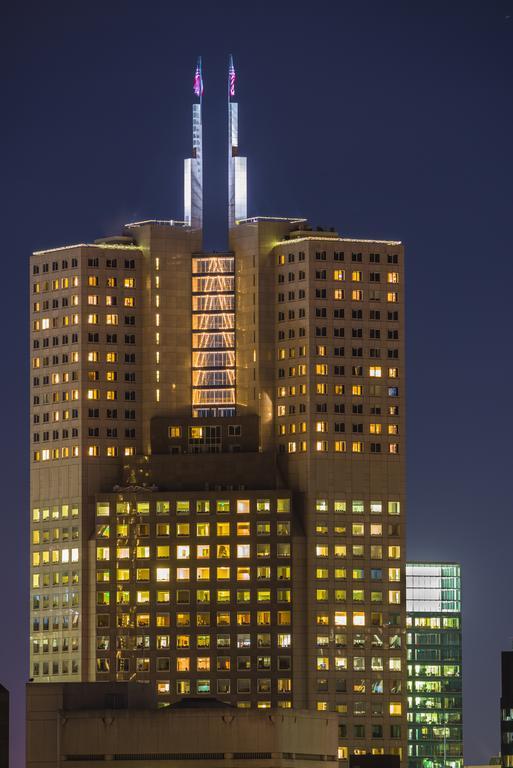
231,78
198,80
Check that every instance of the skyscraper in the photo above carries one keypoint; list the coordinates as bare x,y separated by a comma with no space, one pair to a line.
217,477
435,710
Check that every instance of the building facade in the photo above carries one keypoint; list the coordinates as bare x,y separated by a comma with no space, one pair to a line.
4,726
507,709
217,479
434,635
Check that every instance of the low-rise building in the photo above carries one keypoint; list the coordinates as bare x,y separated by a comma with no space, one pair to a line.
88,724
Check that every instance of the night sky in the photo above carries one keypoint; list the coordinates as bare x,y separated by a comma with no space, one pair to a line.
383,119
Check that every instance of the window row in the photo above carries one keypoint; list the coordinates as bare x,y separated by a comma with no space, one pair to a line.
47,623
263,618
183,641
110,263
55,645
162,552
57,534
58,579
184,597
184,664
356,276
55,668
358,574
201,530
324,595
356,257
55,556
200,506
358,550
338,446
64,600
338,426
358,640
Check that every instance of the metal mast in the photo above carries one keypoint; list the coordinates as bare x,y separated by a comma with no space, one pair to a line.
237,166
193,166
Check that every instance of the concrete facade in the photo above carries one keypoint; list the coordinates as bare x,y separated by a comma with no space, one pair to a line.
81,724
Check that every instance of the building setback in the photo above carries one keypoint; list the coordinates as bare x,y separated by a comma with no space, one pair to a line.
217,477
435,708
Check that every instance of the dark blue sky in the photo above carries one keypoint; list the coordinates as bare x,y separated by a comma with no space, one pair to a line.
383,119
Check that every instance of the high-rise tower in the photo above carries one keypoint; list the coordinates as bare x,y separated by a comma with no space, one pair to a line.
217,477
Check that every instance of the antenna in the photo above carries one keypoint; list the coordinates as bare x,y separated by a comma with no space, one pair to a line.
193,166
237,166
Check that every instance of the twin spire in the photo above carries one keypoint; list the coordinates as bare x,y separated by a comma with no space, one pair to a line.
193,166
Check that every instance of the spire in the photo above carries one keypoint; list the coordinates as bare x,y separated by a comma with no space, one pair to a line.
193,166
237,166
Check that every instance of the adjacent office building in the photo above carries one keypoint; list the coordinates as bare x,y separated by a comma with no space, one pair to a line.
507,709
217,478
435,711
4,726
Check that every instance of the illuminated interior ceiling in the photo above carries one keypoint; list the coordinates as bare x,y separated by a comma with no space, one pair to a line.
213,335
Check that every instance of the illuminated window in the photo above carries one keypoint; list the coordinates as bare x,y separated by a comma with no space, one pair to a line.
243,550
242,506
142,552
162,574
394,507
375,371
174,431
